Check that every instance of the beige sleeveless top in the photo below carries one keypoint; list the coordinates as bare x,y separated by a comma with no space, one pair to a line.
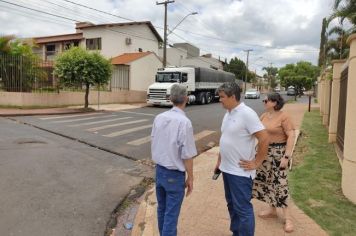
277,126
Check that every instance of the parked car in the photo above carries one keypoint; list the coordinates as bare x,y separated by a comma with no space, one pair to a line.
291,92
252,93
277,89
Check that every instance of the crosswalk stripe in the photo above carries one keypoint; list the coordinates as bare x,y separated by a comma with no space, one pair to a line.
69,116
140,141
115,125
203,134
88,118
99,122
147,139
127,131
138,113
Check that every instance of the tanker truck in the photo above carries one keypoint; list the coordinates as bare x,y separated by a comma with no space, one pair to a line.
201,84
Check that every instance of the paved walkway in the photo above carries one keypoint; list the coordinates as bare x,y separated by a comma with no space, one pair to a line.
205,213
67,110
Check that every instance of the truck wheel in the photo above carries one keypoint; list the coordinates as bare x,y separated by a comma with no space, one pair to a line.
202,98
208,97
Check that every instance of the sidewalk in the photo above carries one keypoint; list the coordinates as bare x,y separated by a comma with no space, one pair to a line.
205,213
67,110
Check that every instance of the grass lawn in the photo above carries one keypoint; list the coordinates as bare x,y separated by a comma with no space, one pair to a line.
315,181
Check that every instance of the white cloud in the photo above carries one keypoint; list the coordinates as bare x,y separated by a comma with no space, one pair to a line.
288,24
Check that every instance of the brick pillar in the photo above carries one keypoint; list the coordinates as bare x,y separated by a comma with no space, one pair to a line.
335,96
349,162
322,91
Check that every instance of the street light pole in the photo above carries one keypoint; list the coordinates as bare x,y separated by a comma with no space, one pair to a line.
165,31
190,14
248,53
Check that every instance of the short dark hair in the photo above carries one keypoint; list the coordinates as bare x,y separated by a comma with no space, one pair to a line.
230,88
276,97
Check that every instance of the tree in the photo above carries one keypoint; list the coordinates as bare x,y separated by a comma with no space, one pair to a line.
19,66
238,67
323,42
271,74
78,66
301,75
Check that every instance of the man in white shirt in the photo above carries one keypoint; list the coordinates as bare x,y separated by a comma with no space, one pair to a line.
238,159
172,147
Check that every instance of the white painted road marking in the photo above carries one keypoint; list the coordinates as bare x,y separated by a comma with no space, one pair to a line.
203,134
115,125
147,139
127,131
140,141
98,122
69,116
138,113
88,118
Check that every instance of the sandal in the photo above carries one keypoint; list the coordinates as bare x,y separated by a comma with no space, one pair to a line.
288,226
267,214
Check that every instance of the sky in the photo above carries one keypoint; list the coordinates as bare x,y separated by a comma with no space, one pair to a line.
278,31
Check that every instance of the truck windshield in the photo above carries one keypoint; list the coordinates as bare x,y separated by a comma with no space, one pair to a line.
167,77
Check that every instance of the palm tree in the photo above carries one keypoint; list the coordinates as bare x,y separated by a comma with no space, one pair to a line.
345,9
336,48
5,43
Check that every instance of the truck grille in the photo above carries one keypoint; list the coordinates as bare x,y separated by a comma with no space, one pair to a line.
159,94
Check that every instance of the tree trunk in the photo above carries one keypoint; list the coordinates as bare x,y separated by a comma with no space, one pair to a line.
86,104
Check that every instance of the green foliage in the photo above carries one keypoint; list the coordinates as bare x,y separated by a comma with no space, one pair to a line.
300,75
271,76
323,42
77,67
19,66
316,182
238,67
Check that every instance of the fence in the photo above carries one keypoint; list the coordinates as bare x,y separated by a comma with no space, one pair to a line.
33,75
26,74
340,135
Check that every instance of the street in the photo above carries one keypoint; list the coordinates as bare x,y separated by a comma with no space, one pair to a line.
65,174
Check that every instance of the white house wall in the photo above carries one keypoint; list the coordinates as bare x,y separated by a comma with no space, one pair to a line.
174,56
113,39
143,72
202,62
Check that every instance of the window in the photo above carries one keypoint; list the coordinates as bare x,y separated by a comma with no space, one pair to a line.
93,44
50,49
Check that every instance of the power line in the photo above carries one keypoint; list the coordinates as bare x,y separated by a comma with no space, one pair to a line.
63,17
124,18
201,35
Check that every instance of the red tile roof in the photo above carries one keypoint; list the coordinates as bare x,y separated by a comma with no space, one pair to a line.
128,57
58,38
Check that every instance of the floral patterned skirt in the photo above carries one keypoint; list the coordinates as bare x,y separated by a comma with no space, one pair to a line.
271,183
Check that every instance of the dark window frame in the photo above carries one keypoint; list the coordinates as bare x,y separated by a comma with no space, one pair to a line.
93,43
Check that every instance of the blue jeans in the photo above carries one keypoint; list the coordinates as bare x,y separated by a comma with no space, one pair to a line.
238,193
170,187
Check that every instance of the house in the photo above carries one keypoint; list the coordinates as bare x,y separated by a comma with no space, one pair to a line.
120,41
185,54
134,70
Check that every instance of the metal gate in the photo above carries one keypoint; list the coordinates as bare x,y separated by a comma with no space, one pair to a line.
120,79
340,134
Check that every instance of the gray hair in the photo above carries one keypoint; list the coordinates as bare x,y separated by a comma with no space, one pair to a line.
178,94
230,88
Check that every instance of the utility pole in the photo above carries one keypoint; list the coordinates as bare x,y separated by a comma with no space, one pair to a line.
165,30
248,53
270,76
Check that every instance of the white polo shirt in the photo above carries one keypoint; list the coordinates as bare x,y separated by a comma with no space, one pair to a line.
172,139
237,141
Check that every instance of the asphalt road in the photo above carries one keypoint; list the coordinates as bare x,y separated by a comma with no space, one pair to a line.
64,175
126,133
51,185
